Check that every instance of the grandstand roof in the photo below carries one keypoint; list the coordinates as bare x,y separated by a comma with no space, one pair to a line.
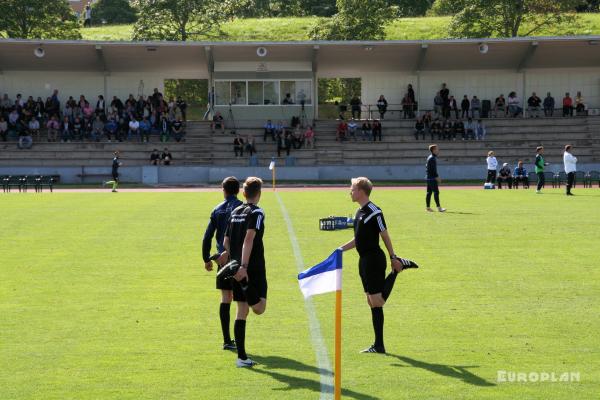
451,54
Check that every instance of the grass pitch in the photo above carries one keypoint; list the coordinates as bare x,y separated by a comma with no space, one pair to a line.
104,296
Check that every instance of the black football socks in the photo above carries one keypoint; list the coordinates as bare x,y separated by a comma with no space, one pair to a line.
377,314
239,332
224,315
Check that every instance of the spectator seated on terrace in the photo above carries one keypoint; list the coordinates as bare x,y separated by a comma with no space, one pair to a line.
366,130
66,130
309,136
520,175
567,105
480,130
505,175
470,129
475,107
155,157
238,145
34,128
549,105
352,127
218,122
53,127
297,137
341,131
25,139
134,129
269,130
178,129
376,128
165,128
419,128
3,129
436,129
145,129
166,158
534,105
110,128
579,104
250,145
97,128
514,105
500,106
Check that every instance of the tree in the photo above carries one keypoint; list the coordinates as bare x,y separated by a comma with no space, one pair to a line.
355,20
38,19
180,19
447,7
510,18
113,12
411,8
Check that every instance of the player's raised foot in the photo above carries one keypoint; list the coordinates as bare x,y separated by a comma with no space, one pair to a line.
229,345
229,270
441,209
406,263
570,194
429,209
374,349
247,363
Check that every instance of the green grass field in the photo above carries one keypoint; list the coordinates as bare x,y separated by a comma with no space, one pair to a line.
293,29
104,296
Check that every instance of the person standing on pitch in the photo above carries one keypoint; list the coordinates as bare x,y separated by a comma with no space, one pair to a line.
492,167
539,168
433,179
218,221
369,225
116,163
244,244
570,167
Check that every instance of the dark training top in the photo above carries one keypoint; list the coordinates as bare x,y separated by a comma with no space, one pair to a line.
368,223
219,218
431,167
244,217
115,165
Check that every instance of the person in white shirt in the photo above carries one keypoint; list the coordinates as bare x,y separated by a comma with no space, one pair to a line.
352,126
570,167
134,128
492,166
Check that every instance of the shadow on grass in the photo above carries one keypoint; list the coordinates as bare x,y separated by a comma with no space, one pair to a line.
453,371
273,363
461,213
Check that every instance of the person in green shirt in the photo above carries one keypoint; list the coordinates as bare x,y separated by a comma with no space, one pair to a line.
539,168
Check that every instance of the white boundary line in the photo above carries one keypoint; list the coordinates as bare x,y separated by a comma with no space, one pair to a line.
324,365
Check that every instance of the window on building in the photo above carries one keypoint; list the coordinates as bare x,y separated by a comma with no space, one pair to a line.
255,93
238,92
222,93
288,92
271,93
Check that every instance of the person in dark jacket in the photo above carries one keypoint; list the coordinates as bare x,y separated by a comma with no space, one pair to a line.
433,179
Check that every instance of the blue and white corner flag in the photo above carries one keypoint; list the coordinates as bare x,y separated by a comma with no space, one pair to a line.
272,164
324,277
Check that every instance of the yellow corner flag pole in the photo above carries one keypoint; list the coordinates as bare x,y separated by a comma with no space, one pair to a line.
337,373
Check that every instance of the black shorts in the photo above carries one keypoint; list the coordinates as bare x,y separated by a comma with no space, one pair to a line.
115,176
224,284
257,278
432,185
371,267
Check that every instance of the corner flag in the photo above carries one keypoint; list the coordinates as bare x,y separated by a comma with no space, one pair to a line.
324,277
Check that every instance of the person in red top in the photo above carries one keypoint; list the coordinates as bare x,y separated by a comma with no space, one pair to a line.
342,129
567,105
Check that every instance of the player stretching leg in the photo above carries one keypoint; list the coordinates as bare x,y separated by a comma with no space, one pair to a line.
369,226
244,243
218,221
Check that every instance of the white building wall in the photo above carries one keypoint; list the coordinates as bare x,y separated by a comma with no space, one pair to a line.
392,85
558,82
36,83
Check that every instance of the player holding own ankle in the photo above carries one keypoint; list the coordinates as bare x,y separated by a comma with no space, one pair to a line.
243,242
369,225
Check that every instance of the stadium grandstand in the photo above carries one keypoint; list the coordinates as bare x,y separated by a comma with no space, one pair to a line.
252,83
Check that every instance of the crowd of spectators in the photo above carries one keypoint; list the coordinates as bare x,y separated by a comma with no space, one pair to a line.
85,120
449,128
